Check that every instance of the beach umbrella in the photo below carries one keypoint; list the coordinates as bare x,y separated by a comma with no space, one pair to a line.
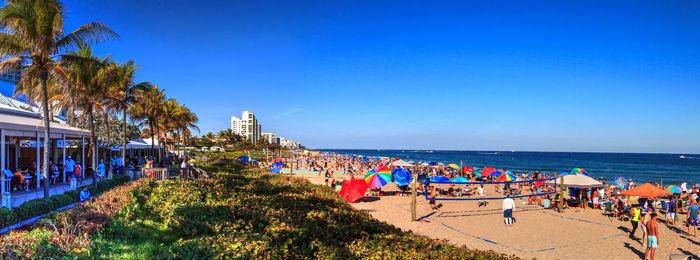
439,178
495,173
275,170
401,177
507,176
432,163
422,178
353,190
622,182
441,164
487,171
278,160
244,158
453,166
564,173
460,179
378,177
579,171
673,189
646,190
277,164
424,164
466,169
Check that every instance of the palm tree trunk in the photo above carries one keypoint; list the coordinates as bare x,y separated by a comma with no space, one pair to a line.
150,123
94,146
159,142
107,143
47,134
124,138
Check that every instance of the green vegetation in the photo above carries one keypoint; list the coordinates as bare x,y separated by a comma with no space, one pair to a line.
250,214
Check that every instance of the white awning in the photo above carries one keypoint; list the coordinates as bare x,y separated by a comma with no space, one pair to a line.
24,125
400,163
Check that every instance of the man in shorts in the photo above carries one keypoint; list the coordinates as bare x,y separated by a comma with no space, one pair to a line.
671,212
508,207
693,218
652,237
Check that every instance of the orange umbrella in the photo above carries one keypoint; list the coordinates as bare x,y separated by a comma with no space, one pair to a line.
646,190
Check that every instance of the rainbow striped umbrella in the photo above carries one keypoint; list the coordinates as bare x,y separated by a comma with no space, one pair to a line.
622,182
673,189
495,173
507,176
579,171
378,177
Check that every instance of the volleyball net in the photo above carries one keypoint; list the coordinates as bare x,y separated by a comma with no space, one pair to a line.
459,188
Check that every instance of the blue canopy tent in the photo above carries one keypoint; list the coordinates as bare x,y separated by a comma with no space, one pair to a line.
275,170
244,158
278,164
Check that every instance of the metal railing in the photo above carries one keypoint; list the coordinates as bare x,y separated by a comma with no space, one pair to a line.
174,174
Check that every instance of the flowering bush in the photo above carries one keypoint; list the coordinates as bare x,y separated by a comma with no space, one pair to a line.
66,233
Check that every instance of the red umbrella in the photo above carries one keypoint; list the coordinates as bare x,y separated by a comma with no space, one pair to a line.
279,160
487,171
353,190
466,169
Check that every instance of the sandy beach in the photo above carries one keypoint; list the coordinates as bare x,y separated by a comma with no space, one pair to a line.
538,233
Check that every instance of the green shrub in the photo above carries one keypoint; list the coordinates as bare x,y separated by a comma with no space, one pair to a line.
62,200
104,185
74,195
7,217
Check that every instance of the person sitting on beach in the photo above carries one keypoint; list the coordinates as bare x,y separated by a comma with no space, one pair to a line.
547,202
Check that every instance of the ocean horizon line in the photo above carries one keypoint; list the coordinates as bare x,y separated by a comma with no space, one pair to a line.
500,151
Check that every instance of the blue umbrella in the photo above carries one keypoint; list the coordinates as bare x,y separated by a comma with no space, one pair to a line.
439,178
275,170
277,164
244,158
432,163
422,178
401,177
622,183
460,179
496,173
563,173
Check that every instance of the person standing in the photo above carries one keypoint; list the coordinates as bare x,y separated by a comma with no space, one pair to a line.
480,192
671,211
652,237
432,195
508,207
634,218
68,166
645,220
693,218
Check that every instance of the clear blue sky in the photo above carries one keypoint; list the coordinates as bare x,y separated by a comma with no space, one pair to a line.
485,75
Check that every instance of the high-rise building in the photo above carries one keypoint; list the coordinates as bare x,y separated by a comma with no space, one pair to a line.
247,126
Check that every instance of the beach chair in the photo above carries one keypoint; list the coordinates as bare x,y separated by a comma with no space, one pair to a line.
608,210
664,206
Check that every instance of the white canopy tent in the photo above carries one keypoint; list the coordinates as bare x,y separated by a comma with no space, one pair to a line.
578,181
401,163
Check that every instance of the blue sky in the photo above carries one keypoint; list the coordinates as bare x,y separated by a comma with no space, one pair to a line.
483,75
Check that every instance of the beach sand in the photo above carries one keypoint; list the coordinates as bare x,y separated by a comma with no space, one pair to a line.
538,233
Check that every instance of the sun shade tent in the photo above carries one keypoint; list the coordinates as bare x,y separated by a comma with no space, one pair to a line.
401,163
646,190
577,181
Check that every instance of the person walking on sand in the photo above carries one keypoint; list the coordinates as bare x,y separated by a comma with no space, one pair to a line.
431,195
634,218
480,192
652,237
645,220
508,207
693,218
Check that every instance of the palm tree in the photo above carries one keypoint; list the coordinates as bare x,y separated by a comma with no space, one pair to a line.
185,121
122,94
32,39
90,76
149,108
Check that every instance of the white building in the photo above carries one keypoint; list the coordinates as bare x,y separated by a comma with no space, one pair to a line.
247,126
271,138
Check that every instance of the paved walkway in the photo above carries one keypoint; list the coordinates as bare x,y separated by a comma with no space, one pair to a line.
20,197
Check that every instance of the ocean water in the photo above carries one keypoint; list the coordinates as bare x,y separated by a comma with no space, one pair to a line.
669,168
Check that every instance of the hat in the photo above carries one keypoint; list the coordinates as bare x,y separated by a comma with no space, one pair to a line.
650,210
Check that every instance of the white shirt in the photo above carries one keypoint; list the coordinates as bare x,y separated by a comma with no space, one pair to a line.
508,203
480,190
